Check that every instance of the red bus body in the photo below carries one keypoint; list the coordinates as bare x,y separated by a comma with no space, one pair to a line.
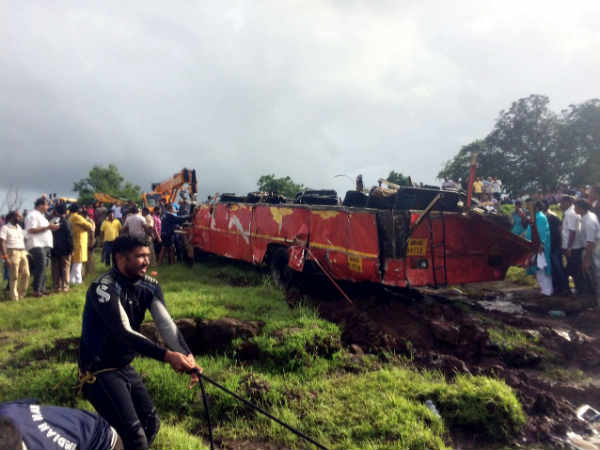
362,244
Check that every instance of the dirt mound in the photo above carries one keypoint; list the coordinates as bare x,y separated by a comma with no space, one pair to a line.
209,336
456,336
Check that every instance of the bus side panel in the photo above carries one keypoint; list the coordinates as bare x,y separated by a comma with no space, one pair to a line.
476,250
201,236
238,228
346,244
223,242
280,225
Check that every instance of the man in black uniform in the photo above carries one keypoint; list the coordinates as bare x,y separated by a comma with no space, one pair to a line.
115,307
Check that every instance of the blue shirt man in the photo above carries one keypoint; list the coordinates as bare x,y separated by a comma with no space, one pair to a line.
25,424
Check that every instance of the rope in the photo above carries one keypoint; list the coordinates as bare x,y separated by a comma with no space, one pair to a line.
83,378
90,377
207,414
251,405
329,276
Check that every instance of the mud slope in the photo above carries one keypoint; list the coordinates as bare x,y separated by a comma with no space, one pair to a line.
553,363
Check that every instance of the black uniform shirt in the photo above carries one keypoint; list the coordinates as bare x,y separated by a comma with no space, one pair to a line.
115,307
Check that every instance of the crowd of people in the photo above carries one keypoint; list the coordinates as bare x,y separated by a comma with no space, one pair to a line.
63,235
117,302
568,247
115,306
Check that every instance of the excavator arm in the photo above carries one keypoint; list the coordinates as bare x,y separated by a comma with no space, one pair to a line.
107,198
169,189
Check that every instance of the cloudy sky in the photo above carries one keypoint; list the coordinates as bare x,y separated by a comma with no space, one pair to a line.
309,89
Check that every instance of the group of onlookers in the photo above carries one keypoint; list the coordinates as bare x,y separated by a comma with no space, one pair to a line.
487,188
63,236
30,244
568,247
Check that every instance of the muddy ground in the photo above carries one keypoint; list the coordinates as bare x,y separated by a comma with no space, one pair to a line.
553,364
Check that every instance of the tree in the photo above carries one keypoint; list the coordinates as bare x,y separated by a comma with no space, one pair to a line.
459,167
398,178
579,141
107,180
527,136
284,185
532,148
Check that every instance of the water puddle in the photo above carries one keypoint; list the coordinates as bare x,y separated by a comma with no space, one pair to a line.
502,306
587,414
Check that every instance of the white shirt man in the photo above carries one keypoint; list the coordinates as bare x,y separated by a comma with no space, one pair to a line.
590,228
14,236
12,246
34,220
571,224
39,243
496,186
572,245
591,235
135,226
118,213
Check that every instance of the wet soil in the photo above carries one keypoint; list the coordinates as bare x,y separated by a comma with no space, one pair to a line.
553,373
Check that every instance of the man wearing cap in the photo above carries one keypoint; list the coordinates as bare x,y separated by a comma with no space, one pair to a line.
591,236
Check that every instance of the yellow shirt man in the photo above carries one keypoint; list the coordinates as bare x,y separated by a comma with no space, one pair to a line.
110,229
478,187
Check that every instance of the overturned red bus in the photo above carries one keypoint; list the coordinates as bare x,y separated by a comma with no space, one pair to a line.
420,237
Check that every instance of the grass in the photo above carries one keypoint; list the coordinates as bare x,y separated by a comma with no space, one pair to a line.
302,375
516,344
564,374
510,339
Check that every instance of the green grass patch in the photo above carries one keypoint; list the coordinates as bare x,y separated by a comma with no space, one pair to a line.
510,338
481,403
518,345
563,374
285,348
175,435
302,375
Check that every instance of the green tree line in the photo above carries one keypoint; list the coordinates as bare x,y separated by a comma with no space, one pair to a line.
531,148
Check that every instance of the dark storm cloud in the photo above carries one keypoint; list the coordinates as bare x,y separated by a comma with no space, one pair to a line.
308,90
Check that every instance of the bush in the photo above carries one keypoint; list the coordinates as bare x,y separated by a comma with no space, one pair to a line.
480,403
52,385
295,347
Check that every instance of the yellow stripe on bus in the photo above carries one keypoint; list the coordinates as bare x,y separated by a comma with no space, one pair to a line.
282,239
343,250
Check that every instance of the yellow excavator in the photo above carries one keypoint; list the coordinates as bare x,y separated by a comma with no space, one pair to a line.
107,198
184,180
